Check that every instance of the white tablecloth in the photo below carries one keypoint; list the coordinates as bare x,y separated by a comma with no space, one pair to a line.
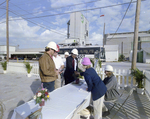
62,104
22,111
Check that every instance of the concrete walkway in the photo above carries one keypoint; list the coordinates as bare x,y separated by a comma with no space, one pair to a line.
16,89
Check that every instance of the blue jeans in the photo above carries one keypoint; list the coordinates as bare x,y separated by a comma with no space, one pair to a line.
49,86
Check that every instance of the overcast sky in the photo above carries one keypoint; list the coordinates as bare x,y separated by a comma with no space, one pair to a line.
34,23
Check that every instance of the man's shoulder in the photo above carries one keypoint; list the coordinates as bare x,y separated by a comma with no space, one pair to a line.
59,56
45,55
113,77
70,57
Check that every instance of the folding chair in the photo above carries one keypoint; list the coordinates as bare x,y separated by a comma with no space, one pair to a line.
2,109
122,100
76,114
35,115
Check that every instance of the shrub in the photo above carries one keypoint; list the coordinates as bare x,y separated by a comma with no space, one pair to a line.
139,76
121,58
100,63
92,62
4,65
28,67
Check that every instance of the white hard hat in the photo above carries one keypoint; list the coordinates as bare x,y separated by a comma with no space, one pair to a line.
66,53
75,51
109,68
84,112
52,45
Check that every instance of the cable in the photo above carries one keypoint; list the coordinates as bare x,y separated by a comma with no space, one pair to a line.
28,12
121,20
42,26
24,18
2,15
2,7
3,2
63,7
72,12
37,25
67,5
28,3
79,10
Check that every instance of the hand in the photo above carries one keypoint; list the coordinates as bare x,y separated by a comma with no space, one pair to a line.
57,72
77,73
60,72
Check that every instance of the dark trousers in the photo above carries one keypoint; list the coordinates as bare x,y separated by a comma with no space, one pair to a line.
69,78
49,86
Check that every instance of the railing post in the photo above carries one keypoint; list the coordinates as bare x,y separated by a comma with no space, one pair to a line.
123,75
35,69
127,77
115,72
132,81
95,64
119,73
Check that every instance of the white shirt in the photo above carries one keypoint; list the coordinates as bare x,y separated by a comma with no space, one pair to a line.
58,61
64,60
75,64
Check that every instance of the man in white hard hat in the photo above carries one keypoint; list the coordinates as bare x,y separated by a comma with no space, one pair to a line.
111,83
47,69
66,55
59,67
71,67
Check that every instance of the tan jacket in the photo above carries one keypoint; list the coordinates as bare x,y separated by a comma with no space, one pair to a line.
47,68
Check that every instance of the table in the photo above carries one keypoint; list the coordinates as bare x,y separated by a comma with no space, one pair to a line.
62,104
22,111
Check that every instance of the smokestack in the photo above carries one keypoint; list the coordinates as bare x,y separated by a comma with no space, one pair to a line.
68,23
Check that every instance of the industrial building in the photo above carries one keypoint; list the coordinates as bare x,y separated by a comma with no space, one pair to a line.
3,51
111,53
125,44
15,52
77,30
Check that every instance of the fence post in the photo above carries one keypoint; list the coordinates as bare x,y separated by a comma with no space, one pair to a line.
115,72
35,69
103,74
123,75
119,78
127,77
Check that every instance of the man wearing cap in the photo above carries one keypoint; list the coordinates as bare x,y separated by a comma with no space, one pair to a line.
66,54
59,67
47,70
111,83
71,67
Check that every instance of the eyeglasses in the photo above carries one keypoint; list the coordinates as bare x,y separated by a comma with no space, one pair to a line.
54,50
75,55
107,71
